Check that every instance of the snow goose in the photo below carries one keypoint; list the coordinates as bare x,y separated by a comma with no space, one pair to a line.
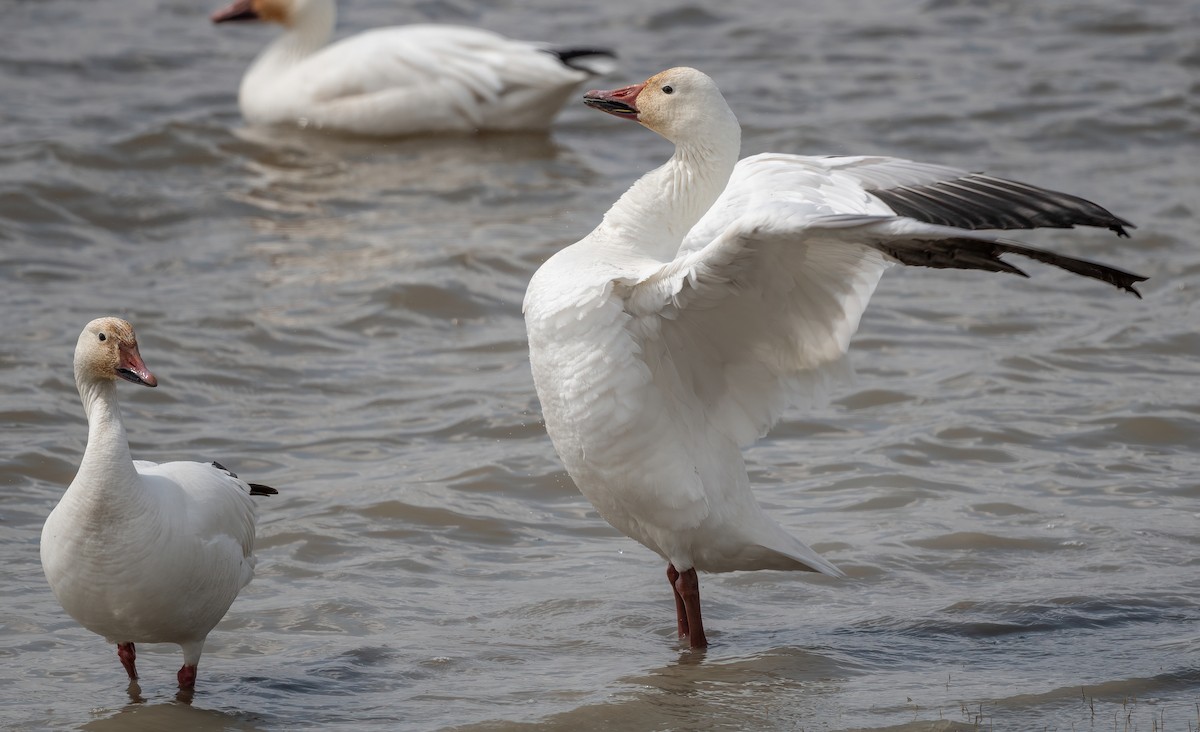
136,551
713,292
402,80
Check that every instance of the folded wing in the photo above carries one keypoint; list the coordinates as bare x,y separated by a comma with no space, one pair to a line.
405,68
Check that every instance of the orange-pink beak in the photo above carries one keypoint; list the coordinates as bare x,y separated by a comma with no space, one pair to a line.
131,367
618,102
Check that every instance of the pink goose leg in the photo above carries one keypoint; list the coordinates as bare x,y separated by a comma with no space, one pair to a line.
686,587
128,655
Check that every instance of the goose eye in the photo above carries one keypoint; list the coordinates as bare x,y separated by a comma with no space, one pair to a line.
103,337
668,89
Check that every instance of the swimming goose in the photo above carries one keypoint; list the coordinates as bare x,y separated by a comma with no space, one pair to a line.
402,80
714,292
140,552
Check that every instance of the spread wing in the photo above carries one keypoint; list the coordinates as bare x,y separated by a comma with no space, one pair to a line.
770,286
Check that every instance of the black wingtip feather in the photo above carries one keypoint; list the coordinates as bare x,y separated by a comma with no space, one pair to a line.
571,56
1055,209
977,201
1116,277
256,489
984,255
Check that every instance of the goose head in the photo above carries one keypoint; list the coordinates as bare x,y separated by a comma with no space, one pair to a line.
107,350
287,13
680,104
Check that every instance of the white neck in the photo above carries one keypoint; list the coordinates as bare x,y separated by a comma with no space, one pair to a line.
107,465
305,36
656,213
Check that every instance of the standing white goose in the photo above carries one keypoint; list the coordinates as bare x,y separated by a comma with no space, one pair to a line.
136,551
713,292
403,80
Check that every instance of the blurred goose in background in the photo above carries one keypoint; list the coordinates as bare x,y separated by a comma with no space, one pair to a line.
403,80
715,292
136,551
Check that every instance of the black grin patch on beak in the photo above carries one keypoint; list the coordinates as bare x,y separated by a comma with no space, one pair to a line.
611,106
131,377
247,14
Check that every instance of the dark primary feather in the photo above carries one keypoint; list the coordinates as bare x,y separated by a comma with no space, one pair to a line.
256,489
985,255
978,201
574,57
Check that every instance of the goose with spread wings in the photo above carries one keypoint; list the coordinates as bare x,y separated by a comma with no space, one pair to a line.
715,292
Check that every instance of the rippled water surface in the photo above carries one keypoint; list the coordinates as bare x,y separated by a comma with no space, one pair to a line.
1011,482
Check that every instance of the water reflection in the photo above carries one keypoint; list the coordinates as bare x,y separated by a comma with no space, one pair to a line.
294,171
135,693
178,715
778,689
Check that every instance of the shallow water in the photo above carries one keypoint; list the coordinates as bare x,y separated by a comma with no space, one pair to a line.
1011,482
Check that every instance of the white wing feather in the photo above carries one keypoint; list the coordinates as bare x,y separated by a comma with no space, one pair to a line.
403,75
759,307
216,507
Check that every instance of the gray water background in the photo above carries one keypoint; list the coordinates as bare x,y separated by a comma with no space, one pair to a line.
1011,482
